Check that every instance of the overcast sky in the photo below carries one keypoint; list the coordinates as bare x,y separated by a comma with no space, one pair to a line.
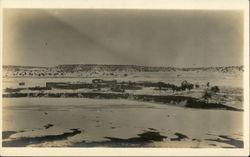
141,37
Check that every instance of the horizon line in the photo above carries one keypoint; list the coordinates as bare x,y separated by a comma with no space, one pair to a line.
127,65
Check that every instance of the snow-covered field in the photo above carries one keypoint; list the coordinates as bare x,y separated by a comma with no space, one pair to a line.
215,78
34,118
113,123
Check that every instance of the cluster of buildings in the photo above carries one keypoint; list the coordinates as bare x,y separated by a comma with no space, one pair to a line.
98,84
107,85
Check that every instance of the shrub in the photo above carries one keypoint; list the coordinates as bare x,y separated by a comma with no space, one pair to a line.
215,89
207,95
186,85
197,86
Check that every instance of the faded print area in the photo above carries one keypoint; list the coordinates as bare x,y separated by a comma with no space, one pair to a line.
122,78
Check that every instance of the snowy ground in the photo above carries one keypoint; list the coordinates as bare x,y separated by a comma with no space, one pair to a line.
108,123
215,78
230,84
122,119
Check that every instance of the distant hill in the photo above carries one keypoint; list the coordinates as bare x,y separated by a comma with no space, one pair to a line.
18,67
111,68
135,68
76,70
215,69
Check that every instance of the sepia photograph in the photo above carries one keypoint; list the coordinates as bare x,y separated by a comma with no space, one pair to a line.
122,78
